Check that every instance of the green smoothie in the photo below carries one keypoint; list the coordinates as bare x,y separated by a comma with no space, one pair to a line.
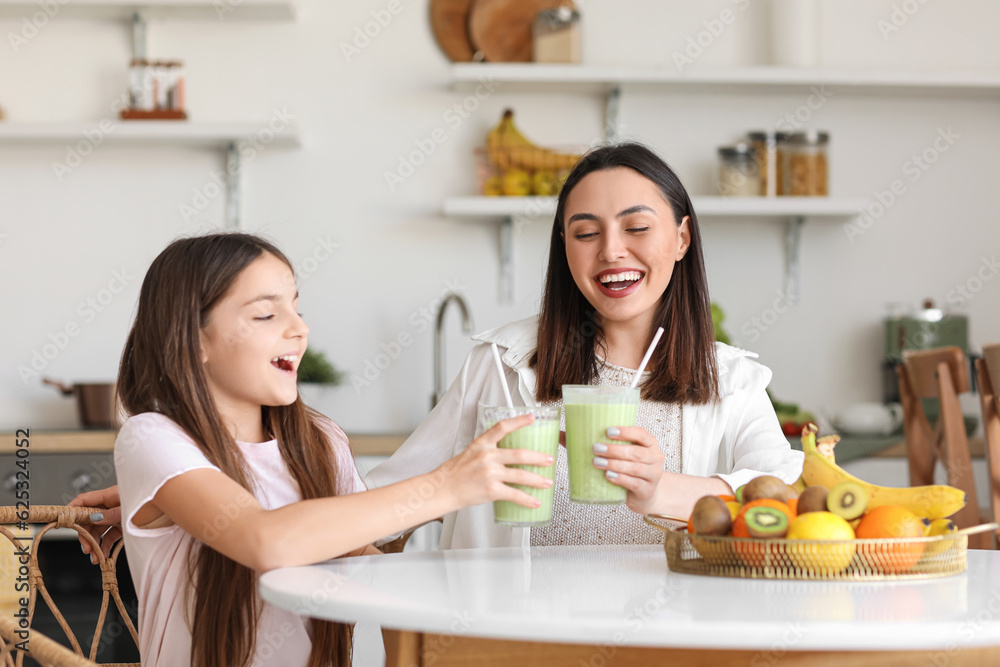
542,435
590,412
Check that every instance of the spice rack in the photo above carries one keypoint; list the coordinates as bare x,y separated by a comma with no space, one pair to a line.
224,137
611,82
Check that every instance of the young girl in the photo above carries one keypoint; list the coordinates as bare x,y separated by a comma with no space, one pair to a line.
224,473
625,258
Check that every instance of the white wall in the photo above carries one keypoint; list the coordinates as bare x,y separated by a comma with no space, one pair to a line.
396,253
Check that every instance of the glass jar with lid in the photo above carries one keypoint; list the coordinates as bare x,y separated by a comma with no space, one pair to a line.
770,147
805,158
738,173
556,36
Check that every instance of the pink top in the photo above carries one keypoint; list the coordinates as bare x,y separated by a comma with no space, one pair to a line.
152,449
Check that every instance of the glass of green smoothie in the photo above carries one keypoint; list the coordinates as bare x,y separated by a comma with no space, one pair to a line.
590,412
541,435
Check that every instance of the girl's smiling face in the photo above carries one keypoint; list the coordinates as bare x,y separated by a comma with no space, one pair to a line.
254,339
622,242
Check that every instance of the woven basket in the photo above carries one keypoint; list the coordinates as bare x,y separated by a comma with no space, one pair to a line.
886,559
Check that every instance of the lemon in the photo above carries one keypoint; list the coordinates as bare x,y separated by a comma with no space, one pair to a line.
493,186
544,183
516,183
821,559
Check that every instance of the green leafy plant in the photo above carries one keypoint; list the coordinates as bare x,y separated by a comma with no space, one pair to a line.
717,317
315,368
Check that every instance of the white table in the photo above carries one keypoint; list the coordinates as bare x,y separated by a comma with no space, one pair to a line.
492,606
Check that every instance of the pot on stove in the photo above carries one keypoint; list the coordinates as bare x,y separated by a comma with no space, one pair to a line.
95,402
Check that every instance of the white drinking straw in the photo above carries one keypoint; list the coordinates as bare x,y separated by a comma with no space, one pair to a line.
503,378
645,359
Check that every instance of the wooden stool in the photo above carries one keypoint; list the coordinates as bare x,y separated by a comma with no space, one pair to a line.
943,374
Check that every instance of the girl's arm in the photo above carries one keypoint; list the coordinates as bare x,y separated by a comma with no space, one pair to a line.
216,510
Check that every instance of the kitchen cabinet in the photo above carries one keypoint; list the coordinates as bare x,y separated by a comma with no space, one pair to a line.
611,82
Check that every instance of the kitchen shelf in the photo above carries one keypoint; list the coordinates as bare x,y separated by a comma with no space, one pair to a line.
223,137
262,10
604,79
742,207
793,210
148,132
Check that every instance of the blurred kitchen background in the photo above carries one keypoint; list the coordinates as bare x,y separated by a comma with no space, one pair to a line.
376,132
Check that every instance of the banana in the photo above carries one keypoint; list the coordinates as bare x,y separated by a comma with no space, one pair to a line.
936,528
934,502
508,148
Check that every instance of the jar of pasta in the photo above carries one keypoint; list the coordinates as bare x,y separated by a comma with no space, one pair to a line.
805,158
770,148
738,176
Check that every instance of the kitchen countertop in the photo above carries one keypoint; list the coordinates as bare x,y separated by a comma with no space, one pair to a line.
367,444
57,442
625,595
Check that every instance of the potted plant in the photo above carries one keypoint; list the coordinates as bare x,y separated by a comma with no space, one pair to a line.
315,368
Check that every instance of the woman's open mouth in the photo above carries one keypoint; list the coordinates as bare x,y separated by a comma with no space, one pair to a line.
285,363
617,283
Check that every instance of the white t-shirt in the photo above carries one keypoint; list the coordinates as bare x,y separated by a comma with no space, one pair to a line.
152,449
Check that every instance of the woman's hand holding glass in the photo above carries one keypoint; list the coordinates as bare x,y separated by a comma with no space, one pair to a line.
479,474
635,465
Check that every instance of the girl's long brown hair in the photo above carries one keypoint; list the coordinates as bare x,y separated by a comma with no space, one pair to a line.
161,371
569,330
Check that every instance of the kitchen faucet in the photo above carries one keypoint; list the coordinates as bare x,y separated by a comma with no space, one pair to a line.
439,341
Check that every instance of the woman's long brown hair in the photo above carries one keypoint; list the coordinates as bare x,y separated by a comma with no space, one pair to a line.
569,330
161,371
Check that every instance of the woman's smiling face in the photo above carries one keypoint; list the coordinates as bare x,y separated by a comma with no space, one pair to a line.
622,242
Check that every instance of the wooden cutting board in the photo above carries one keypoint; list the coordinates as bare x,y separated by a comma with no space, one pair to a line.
501,29
450,23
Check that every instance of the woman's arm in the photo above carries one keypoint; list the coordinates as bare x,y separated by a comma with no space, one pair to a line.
219,512
107,530
638,468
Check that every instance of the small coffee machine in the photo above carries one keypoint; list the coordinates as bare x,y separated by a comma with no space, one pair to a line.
922,329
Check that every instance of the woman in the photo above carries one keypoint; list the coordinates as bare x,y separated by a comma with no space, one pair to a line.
625,258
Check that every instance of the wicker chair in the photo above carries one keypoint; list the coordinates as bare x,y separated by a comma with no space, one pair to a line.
42,649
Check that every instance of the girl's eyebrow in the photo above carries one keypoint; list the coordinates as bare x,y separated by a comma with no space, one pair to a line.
269,297
638,208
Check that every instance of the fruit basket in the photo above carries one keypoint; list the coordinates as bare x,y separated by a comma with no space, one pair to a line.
514,166
522,172
885,559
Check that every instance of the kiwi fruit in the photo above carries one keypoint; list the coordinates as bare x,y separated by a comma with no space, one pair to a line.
711,516
848,500
767,486
813,499
764,522
739,494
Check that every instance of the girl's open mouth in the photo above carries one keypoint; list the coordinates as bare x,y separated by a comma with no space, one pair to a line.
285,363
619,283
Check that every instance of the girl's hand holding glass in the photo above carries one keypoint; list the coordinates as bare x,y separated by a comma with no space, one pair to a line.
479,474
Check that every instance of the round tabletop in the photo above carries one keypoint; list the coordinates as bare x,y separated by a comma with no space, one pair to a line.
626,595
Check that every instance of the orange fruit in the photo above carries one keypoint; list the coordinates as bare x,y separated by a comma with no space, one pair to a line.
727,498
755,554
890,521
793,504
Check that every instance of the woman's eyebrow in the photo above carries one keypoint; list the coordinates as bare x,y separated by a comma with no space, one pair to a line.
638,208
268,297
